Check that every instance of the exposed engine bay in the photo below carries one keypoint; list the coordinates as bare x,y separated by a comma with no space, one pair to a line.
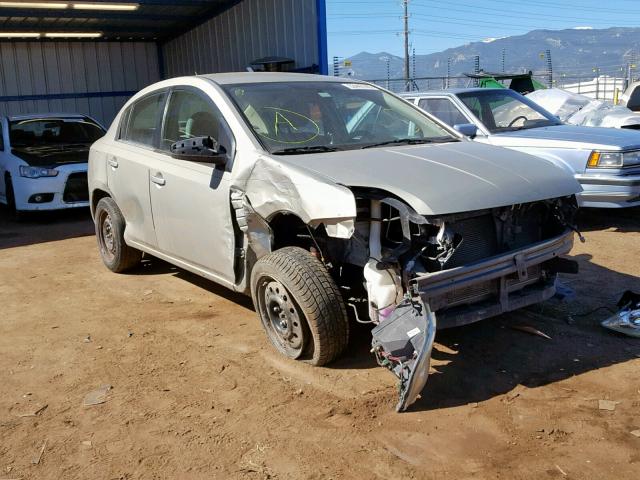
399,269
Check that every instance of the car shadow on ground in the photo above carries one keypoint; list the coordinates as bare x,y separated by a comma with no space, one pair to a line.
40,227
155,266
619,219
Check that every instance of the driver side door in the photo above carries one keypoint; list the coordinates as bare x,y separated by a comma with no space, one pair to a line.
190,199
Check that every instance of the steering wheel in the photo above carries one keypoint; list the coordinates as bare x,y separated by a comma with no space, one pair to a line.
512,122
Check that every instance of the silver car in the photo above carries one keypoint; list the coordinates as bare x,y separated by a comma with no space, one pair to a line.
605,161
320,196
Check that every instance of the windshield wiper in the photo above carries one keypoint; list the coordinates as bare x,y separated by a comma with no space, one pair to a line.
412,141
308,149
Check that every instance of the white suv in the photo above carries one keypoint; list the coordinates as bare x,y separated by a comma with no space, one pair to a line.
314,194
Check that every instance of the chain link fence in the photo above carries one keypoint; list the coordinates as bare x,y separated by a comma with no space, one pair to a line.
601,87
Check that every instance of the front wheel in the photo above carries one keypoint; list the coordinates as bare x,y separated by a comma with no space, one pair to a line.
300,306
110,224
11,198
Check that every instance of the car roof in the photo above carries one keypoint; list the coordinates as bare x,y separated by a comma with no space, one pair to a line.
29,116
449,91
267,77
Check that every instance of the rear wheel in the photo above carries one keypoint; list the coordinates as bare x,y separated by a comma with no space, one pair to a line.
110,225
300,306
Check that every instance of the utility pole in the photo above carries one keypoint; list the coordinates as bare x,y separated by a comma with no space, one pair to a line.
503,55
448,84
336,66
476,69
549,70
405,4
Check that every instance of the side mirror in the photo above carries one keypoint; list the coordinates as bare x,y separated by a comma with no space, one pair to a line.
199,149
466,129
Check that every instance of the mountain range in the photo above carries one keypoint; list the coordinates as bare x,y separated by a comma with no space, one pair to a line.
574,52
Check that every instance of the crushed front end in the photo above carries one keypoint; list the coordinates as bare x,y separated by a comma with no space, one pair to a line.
460,268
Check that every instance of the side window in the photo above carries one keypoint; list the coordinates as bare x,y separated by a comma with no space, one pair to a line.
443,109
143,119
1,137
190,115
634,99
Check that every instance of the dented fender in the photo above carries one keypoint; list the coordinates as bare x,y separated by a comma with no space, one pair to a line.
273,187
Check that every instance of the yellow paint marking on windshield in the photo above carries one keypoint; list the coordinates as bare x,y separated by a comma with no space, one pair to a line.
284,120
288,118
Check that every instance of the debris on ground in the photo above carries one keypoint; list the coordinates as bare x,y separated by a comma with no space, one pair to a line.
87,339
531,330
561,470
635,433
36,459
36,412
627,320
607,405
564,293
97,396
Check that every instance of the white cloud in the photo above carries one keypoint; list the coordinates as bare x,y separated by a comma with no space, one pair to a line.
586,27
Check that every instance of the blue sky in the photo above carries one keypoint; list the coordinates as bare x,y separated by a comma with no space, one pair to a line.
375,25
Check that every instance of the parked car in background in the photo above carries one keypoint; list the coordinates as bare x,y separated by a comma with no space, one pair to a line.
606,161
575,109
317,195
43,160
631,97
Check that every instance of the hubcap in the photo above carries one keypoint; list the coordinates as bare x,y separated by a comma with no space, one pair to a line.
106,236
282,318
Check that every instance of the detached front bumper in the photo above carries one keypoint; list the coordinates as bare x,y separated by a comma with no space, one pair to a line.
610,191
68,189
499,284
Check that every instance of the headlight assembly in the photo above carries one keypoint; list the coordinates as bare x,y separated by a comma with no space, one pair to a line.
598,159
605,159
37,172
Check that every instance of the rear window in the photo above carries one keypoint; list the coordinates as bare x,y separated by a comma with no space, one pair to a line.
143,119
57,131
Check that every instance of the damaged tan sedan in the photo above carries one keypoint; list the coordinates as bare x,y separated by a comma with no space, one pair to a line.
327,199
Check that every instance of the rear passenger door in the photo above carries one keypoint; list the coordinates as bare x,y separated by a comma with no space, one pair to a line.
190,199
128,165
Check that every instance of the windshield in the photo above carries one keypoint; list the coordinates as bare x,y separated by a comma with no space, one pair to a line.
506,110
325,116
57,131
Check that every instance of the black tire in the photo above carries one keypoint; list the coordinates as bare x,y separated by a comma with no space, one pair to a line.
110,224
11,198
310,306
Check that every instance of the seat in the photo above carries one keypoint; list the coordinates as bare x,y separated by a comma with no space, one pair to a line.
202,124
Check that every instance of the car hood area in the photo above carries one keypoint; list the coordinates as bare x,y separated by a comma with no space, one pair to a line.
570,136
438,179
52,155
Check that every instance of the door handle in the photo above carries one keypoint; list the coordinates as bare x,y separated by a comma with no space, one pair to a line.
113,162
158,179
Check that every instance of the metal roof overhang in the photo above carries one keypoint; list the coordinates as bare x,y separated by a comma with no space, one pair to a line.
154,20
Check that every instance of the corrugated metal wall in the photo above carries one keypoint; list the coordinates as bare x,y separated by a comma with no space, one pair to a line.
247,31
93,78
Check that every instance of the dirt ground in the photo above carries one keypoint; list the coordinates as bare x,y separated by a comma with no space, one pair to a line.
198,392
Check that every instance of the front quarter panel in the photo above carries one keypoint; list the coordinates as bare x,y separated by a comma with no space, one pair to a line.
273,187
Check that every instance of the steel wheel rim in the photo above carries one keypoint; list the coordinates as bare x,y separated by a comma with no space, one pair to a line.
281,317
106,236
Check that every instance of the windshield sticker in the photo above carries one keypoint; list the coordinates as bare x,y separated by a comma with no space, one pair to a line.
291,127
359,86
324,94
